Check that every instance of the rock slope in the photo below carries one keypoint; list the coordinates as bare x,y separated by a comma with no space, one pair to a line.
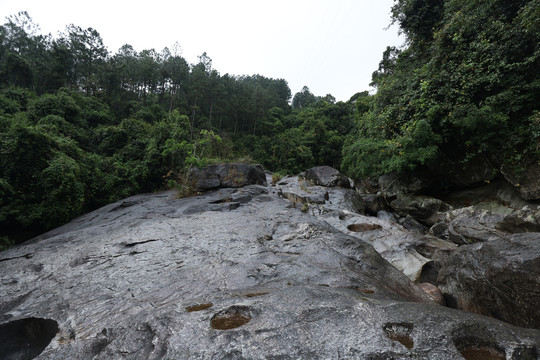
233,273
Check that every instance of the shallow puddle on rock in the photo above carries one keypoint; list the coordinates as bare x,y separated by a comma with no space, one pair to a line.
482,353
231,318
199,307
229,322
404,339
400,332
363,227
256,294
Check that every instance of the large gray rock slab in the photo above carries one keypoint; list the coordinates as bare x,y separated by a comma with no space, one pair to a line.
155,277
500,278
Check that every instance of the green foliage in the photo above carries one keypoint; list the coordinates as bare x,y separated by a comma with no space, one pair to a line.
5,243
276,177
60,104
467,85
63,192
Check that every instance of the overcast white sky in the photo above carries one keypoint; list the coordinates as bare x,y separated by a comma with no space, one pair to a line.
332,46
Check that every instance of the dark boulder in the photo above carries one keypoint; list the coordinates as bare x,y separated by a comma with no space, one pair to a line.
228,176
411,224
327,176
520,221
527,182
499,278
423,208
434,292
476,171
375,203
495,195
415,182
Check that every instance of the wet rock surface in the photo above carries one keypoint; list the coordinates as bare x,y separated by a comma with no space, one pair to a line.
239,273
500,278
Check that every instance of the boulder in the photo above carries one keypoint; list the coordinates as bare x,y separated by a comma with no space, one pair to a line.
227,176
327,176
156,277
409,223
520,221
423,208
499,278
497,196
470,225
317,199
366,186
415,182
438,251
434,292
374,203
440,230
528,182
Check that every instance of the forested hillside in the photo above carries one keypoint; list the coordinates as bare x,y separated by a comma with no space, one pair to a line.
81,126
463,93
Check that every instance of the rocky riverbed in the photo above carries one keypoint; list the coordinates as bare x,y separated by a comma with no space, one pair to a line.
294,270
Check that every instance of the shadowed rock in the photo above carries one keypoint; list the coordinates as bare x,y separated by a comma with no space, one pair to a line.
26,338
527,182
499,278
423,208
327,176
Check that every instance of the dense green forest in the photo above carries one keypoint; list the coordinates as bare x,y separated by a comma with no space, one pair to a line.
81,127
463,93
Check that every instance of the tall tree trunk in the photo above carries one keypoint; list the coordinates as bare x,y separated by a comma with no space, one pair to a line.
192,121
170,99
210,118
255,125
